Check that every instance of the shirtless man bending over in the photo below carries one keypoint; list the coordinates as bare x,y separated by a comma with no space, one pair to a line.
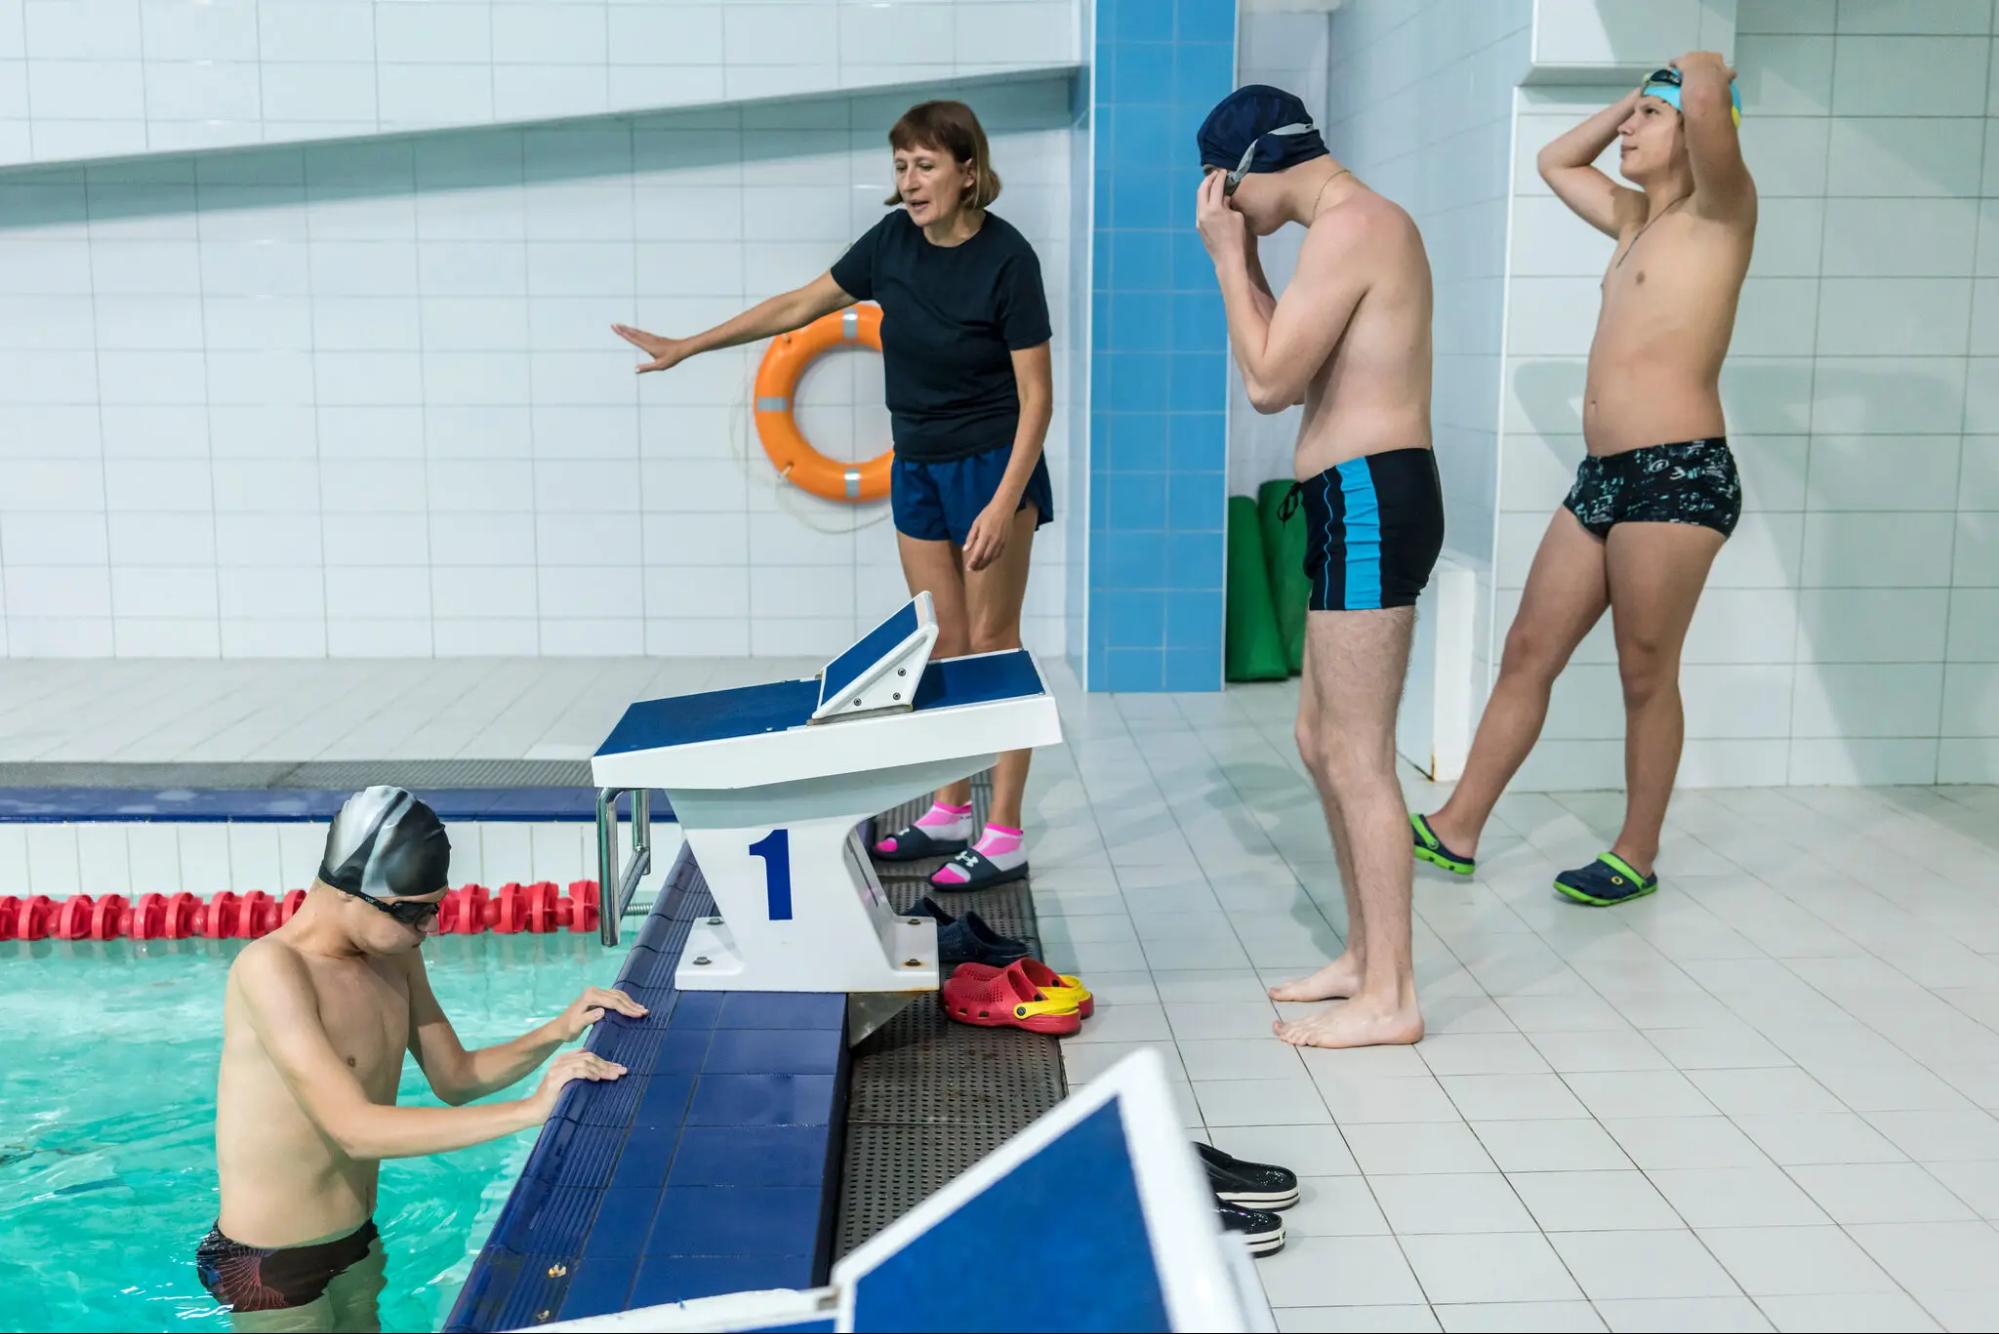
1350,339
315,1022
1657,493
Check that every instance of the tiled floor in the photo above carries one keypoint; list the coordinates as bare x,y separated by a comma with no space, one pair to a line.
180,711
1760,1099
1757,1100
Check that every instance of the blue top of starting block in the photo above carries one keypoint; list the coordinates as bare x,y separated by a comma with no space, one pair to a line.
716,715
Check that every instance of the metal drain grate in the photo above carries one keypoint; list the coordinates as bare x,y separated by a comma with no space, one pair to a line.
923,1070
927,1097
338,774
903,1167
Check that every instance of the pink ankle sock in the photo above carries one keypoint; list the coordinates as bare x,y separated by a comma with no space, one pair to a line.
941,813
998,844
946,823
998,840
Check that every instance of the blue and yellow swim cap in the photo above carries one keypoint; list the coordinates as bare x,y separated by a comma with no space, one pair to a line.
1664,84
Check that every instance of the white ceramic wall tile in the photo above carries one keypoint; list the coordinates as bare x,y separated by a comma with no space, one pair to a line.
1593,32
1786,16
1971,700
1976,554
1888,395
1891,237
1909,76
1787,154
1906,157
1893,316
104,77
1883,472
1785,75
1838,700
1860,550
271,328
1854,625
1850,761
1974,625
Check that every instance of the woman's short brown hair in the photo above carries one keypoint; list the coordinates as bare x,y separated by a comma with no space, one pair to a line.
949,127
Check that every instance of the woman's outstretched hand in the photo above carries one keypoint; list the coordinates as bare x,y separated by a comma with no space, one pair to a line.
666,353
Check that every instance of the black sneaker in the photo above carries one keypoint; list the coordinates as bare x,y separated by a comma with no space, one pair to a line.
1254,1185
1263,1230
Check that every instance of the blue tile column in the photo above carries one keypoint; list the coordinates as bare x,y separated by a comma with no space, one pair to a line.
1159,352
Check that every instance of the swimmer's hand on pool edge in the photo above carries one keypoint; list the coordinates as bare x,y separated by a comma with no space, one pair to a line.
570,1065
591,1006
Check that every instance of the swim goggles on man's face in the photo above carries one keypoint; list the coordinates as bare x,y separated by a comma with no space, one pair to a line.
413,915
1234,178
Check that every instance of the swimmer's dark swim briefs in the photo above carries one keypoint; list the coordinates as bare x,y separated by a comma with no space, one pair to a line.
263,1278
1690,482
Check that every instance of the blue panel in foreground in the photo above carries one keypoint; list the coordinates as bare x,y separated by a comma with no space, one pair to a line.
1102,1276
846,669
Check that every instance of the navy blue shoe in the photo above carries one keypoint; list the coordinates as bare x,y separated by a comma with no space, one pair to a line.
968,939
1606,881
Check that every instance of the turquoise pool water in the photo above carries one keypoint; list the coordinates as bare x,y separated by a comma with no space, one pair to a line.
107,1099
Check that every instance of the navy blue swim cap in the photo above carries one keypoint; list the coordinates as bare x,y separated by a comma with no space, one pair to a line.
1258,128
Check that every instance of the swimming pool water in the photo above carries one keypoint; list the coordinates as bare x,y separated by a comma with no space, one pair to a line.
107,1103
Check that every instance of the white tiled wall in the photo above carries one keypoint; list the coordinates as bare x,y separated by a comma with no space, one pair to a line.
168,857
1580,34
91,78
361,399
1288,50
1845,634
1420,107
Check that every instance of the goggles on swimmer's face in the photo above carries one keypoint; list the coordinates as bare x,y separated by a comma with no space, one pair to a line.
1234,178
416,916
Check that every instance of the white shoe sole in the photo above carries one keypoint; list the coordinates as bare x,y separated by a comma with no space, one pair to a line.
1258,1200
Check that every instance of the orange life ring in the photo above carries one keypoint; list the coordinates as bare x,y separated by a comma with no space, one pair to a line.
783,366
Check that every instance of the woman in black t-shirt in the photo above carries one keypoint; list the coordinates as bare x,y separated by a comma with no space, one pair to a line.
965,354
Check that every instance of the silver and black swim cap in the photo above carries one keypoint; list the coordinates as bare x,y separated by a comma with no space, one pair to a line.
386,844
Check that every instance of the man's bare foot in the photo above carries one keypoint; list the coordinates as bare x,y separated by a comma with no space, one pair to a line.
1336,981
1358,1023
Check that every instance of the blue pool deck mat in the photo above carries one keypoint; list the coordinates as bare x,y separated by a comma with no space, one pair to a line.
720,715
711,1167
1140,1247
123,805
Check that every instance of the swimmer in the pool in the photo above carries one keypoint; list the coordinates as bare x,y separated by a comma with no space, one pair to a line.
316,1019
1657,493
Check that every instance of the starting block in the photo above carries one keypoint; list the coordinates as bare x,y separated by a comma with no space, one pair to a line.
771,782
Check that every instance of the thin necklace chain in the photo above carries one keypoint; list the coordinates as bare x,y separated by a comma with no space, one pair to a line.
1648,227
1343,171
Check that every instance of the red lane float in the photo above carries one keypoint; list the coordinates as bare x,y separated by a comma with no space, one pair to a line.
541,907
